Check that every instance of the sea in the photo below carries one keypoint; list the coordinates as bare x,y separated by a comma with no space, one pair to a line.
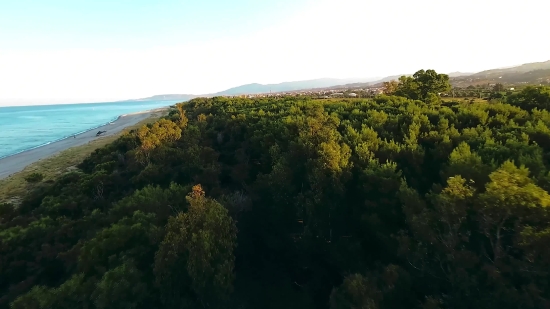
26,127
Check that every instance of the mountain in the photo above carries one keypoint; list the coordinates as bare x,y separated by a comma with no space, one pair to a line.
524,68
531,73
167,97
459,74
291,86
515,77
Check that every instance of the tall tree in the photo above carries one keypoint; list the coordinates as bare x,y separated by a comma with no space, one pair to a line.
390,87
498,87
195,261
423,84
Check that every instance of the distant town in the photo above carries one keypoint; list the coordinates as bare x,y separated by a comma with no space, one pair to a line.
351,92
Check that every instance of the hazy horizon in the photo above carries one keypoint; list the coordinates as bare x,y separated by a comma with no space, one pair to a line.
61,51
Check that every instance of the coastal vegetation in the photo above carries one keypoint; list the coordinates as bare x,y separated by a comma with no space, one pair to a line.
397,201
14,187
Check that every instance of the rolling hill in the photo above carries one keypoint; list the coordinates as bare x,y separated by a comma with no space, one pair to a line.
529,73
459,74
290,86
167,97
522,69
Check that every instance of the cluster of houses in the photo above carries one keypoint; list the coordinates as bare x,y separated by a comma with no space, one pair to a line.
329,93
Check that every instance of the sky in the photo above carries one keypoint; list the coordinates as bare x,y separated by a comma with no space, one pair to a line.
67,51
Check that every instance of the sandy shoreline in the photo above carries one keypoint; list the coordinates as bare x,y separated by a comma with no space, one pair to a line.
18,162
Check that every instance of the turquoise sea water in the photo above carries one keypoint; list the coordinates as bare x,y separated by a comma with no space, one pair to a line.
26,127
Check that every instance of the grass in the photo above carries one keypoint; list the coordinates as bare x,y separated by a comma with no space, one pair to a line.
12,188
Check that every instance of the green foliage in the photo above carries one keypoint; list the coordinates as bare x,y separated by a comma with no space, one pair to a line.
182,118
121,287
73,293
195,260
389,202
498,87
162,131
423,85
388,288
34,178
7,212
531,97
355,292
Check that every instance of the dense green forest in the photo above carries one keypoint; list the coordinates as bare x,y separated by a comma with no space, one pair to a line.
398,201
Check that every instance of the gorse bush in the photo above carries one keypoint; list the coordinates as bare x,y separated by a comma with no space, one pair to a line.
297,203
34,178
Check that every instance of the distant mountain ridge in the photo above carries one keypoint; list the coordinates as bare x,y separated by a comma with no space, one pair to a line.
524,68
459,74
290,86
167,97
525,73
529,73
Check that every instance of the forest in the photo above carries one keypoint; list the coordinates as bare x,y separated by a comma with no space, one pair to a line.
396,201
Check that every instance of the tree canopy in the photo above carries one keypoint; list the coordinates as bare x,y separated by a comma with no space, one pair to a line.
423,85
293,202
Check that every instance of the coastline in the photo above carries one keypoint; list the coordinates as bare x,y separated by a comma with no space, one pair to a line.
17,162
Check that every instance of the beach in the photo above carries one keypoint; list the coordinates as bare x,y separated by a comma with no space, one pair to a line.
18,162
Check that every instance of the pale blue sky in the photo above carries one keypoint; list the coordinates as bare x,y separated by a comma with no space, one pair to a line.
58,51
133,24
